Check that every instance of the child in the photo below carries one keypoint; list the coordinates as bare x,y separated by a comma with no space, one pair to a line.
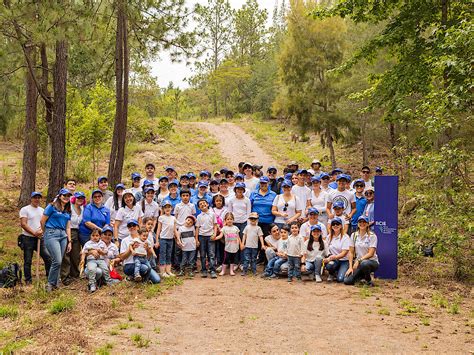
315,251
295,252
252,233
166,232
214,188
275,264
185,208
140,248
232,243
111,258
338,208
94,253
149,207
173,196
220,211
187,241
206,229
149,226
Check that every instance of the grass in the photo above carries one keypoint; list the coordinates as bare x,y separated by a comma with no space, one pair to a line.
105,350
157,330
384,312
8,311
130,318
140,341
123,326
153,290
408,308
439,300
14,346
365,292
425,321
62,304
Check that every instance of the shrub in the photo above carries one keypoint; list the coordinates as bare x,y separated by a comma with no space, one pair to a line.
165,126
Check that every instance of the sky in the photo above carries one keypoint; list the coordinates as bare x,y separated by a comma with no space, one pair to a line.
165,71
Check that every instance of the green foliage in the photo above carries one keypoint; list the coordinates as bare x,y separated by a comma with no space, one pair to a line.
105,350
165,126
62,304
140,341
8,311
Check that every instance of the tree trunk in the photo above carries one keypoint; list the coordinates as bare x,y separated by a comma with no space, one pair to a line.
365,157
30,145
57,127
330,144
122,68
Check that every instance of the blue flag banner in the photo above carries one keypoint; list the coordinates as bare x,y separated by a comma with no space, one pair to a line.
386,225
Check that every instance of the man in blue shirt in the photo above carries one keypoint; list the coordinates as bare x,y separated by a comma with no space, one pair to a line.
360,201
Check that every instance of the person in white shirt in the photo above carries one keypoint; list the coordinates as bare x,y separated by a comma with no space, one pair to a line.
302,191
115,202
315,168
271,242
343,195
296,250
30,218
188,242
285,206
206,230
129,210
252,235
166,233
149,207
313,219
141,247
150,175
250,180
315,251
318,199
365,175
325,180
363,259
337,263
184,208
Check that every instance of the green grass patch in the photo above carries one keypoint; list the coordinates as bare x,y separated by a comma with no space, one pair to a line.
365,292
153,290
8,311
439,300
140,341
62,304
123,326
105,350
408,308
157,330
384,312
14,346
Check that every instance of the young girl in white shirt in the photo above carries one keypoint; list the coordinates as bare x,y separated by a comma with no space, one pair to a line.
315,251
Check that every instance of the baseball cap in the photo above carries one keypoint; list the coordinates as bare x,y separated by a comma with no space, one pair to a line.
239,176
136,176
150,164
257,167
147,182
335,171
132,222
286,183
315,161
192,217
288,176
102,178
223,181
342,176
107,228
214,182
202,183
185,176
119,186
313,210
149,189
163,178
166,203
264,179
217,172
79,194
169,168
229,173
128,191
378,168
363,218
36,193
239,185
316,178
370,188
315,227
224,171
323,175
173,182
253,215
247,165
97,191
359,181
191,175
302,171
64,191
271,167
204,172
293,162
338,204
336,220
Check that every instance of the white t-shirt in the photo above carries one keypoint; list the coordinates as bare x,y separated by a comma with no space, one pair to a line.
303,193
205,223
125,214
282,245
272,241
311,255
253,233
140,249
338,244
227,197
110,205
161,197
346,196
167,226
367,184
124,247
187,238
151,209
295,245
76,219
231,239
319,202
33,217
363,243
251,184
241,208
91,245
291,208
305,230
182,211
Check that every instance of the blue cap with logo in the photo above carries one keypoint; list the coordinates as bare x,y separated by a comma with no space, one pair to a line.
173,182
288,176
107,228
324,175
336,220
240,176
191,175
147,183
363,218
203,183
316,227
97,191
132,222
342,176
64,191
170,168
286,183
151,188
79,194
271,167
338,204
36,193
313,210
184,176
378,169
264,179
336,171
239,185
166,203
316,179
163,178
119,186
359,181
136,176
102,178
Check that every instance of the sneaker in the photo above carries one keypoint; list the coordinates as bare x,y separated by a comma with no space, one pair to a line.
49,288
243,273
273,276
370,283
330,278
264,275
137,278
241,267
318,278
67,281
204,274
191,274
165,275
171,274
181,273
213,275
92,288
219,268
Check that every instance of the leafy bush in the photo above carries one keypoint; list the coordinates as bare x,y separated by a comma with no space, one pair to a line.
165,126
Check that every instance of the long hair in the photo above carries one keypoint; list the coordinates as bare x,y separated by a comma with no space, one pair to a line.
311,241
331,233
215,197
133,203
57,204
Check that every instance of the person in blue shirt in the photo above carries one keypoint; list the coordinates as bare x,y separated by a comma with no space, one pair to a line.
56,223
201,194
173,196
360,200
95,215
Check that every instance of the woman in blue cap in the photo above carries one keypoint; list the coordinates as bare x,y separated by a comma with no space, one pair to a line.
95,216
162,191
56,223
70,264
337,263
136,188
115,202
285,206
363,258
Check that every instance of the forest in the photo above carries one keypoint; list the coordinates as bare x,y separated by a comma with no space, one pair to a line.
386,76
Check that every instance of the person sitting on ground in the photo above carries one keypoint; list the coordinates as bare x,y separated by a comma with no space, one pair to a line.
141,250
337,263
313,219
94,252
188,242
129,210
271,242
112,257
275,264
315,251
363,254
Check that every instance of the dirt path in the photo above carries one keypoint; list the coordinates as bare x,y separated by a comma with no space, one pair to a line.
236,145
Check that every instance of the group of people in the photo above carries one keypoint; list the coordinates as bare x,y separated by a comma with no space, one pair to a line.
305,221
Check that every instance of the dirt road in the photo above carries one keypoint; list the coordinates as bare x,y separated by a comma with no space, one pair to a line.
236,145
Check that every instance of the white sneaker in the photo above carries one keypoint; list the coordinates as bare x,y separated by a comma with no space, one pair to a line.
318,278
219,268
171,274
165,275
330,278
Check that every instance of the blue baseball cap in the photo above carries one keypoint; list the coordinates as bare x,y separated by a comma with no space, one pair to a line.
316,179
102,178
239,176
203,183
359,181
136,176
191,175
163,178
64,191
173,182
214,182
286,183
338,204
169,168
97,191
288,176
166,203
185,176
36,193
264,179
336,220
313,210
132,222
148,182
239,185
119,186
316,227
79,194
324,175
348,177
223,181
363,218
107,228
205,172
302,171
342,176
271,167
149,189
336,170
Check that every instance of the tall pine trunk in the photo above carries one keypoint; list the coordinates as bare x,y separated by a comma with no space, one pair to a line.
30,145
122,68
330,144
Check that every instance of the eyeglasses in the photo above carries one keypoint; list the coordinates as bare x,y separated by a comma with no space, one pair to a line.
336,224
368,193
359,185
286,207
96,196
272,172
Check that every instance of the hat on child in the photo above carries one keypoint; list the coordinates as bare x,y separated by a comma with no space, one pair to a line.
107,228
136,176
240,185
132,222
316,227
253,215
338,204
313,210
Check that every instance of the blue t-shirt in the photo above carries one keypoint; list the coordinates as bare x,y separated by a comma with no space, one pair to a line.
360,206
195,198
100,216
263,205
57,219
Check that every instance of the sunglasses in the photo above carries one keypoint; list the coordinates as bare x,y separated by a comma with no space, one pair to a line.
96,196
325,178
362,221
272,172
286,207
365,172
253,218
368,193
359,185
336,224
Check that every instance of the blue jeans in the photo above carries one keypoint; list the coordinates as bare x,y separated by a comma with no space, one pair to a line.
139,261
270,265
240,254
338,268
315,266
147,274
166,246
207,248
55,241
187,259
278,263
362,272
92,271
294,267
29,247
250,257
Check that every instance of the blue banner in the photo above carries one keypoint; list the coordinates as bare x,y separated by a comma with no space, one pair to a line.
386,225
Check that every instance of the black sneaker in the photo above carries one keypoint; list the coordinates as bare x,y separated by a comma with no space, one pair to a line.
213,275
204,274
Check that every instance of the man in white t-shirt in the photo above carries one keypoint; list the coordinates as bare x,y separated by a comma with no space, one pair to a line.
305,229
343,195
302,191
365,175
30,218
150,175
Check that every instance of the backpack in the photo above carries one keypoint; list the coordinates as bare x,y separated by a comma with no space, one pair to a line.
10,275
